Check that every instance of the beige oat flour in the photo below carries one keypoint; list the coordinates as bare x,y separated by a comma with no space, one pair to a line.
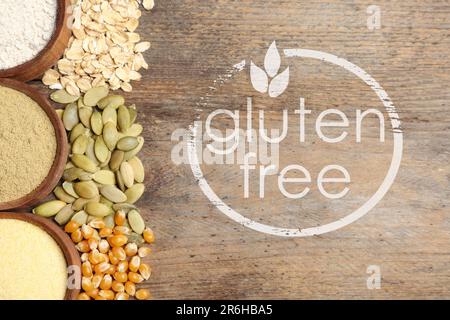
27,144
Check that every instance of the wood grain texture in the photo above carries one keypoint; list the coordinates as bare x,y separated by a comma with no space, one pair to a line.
202,254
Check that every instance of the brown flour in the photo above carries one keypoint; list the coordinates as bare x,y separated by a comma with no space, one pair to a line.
27,144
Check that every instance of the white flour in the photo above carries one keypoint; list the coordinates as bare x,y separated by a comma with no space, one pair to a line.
25,29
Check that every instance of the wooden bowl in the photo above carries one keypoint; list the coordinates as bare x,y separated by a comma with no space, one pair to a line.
61,238
62,149
50,54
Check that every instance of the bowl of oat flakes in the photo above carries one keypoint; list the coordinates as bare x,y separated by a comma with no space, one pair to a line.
33,36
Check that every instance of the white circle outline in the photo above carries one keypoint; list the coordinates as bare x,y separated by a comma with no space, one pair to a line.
350,218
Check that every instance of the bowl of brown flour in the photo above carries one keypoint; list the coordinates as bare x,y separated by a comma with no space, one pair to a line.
33,146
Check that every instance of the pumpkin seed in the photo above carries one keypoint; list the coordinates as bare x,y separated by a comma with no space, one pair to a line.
136,222
105,177
62,195
97,123
133,113
79,146
127,143
72,174
104,165
136,238
81,202
109,115
138,169
86,189
90,151
77,131
126,207
113,101
70,116
123,118
68,188
81,217
85,113
116,160
119,180
135,193
49,209
61,96
130,154
135,130
101,150
97,209
110,135
60,113
64,215
106,202
126,171
94,95
83,162
113,194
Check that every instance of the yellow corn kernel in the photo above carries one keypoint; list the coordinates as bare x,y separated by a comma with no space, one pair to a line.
143,294
87,231
118,240
118,286
148,235
71,226
106,282
86,284
121,276
84,257
122,266
100,298
97,223
119,253
83,246
105,232
93,293
112,258
96,280
135,277
95,257
145,271
83,296
108,294
120,218
111,270
144,251
122,296
134,264
86,269
118,230
101,267
103,246
76,236
131,249
93,243
130,288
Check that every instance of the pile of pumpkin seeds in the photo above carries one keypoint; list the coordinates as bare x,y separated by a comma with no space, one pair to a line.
103,176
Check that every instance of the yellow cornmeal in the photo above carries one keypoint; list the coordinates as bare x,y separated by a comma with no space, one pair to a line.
27,144
32,265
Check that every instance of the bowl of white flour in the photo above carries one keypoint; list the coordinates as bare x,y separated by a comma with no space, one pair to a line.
33,35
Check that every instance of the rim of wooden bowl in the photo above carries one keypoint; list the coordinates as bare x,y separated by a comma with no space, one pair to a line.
62,239
62,149
51,53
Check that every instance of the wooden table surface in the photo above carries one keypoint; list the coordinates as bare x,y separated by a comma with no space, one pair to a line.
202,254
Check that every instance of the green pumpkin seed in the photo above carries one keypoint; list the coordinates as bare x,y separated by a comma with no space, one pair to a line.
134,131
123,118
109,115
130,154
110,135
68,188
135,193
113,194
49,209
64,215
70,116
119,180
133,113
127,143
83,162
106,202
90,151
97,209
72,174
109,221
136,238
105,165
85,113
105,177
136,221
101,150
138,169
113,101
126,207
60,113
97,123
79,146
62,195
77,131
86,189
116,160
94,95
81,217
61,96
81,202
126,171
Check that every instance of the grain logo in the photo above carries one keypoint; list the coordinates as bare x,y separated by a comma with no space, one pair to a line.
257,150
